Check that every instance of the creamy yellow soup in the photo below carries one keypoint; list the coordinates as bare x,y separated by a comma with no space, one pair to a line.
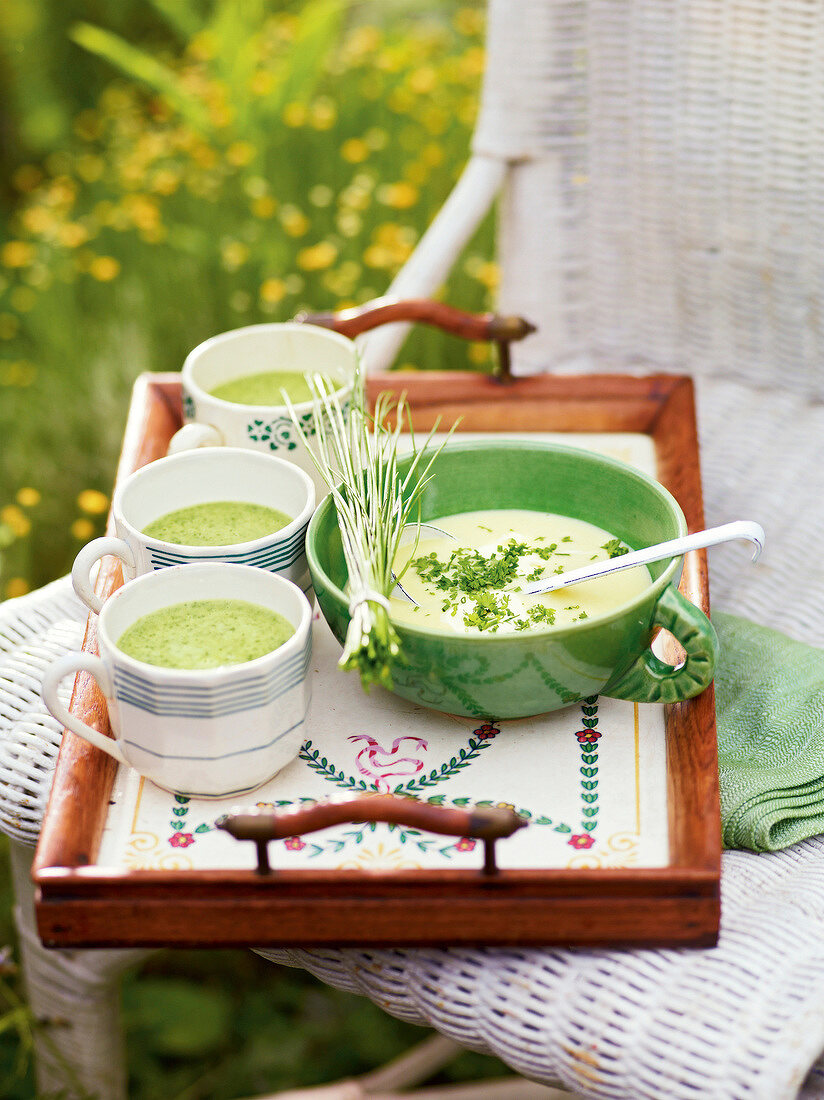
473,583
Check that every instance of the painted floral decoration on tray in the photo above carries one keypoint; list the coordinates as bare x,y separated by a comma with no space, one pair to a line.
399,769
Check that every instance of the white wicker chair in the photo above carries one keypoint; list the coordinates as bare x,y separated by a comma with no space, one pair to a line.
660,165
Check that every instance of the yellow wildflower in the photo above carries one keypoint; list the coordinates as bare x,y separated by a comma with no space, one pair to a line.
38,219
400,100
165,181
234,254
324,113
28,497
395,236
423,81
348,223
317,257
468,21
93,502
391,245
240,153
62,191
115,99
20,373
16,254
262,83
400,196
364,40
264,207
342,280
321,195
354,150
377,255
203,155
432,154
16,586
376,137
294,114
272,290
435,119
72,234
12,517
204,46
472,62
82,529
467,111
489,275
104,268
294,221
221,114
416,173
142,210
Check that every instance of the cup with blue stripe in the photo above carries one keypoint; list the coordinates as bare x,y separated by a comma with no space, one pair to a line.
217,504
203,732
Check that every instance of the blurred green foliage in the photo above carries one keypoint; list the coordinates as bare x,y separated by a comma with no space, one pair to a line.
216,1025
184,167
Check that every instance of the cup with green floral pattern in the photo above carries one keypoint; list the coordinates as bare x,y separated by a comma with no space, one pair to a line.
234,386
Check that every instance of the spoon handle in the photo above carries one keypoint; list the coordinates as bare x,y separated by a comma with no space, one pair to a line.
727,532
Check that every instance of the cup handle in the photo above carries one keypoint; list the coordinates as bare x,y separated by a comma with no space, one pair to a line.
194,435
87,558
651,680
69,665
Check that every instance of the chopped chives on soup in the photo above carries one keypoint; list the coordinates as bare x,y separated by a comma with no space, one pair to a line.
474,582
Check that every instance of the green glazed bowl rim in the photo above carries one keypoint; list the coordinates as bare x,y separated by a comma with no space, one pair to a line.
581,626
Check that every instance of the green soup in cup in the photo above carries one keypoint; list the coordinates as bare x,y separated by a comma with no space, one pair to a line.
516,675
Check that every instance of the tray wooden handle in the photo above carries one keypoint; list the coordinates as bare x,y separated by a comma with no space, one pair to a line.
486,823
499,328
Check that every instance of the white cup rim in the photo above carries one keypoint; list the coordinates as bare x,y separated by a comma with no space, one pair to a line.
314,331
206,454
204,676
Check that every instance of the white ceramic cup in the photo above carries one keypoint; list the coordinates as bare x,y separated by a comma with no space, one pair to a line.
204,733
196,477
212,422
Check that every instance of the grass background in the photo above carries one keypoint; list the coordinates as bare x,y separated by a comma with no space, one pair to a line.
183,167
173,169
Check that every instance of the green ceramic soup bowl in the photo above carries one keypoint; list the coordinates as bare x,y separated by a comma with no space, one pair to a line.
535,671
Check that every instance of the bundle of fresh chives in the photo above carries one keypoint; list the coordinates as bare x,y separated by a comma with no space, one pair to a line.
357,457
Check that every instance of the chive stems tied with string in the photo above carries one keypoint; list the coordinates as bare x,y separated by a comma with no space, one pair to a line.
357,457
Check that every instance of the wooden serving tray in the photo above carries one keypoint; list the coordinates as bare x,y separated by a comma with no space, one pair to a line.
83,901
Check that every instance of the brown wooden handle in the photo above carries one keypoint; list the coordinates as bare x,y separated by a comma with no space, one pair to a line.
496,327
487,823
482,822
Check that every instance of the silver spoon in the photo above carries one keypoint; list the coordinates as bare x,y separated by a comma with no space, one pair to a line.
739,529
727,532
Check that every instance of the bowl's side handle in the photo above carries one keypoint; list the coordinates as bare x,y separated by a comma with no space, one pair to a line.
651,680
498,328
487,823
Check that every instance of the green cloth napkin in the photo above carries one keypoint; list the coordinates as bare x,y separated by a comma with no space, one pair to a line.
770,715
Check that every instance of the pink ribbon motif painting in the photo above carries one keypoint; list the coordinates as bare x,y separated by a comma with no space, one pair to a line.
380,764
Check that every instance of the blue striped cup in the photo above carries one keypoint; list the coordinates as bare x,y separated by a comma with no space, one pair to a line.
203,733
198,477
